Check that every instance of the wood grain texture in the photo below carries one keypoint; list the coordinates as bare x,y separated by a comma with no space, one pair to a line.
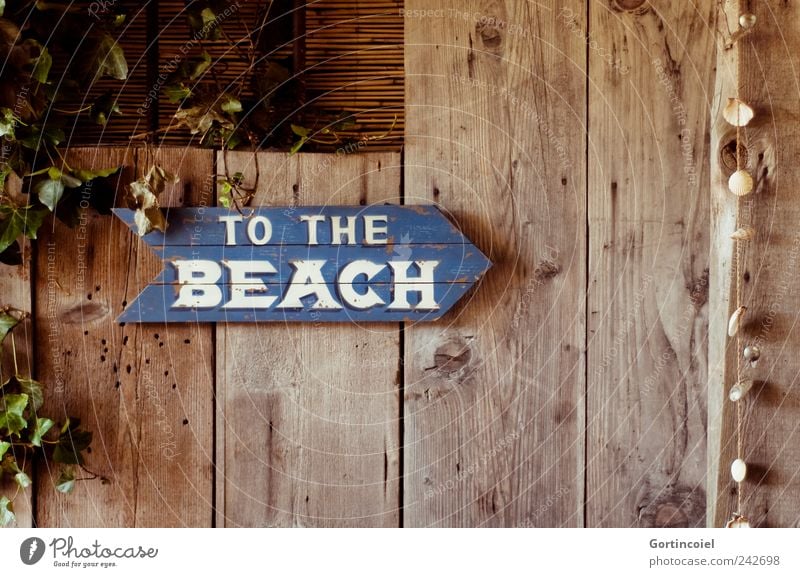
145,391
650,80
15,288
307,429
766,61
495,134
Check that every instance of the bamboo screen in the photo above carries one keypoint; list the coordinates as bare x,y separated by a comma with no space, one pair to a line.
346,57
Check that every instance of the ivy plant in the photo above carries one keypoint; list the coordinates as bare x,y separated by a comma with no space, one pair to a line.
35,112
25,433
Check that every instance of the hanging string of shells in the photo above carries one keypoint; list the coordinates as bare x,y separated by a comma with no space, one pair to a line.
739,114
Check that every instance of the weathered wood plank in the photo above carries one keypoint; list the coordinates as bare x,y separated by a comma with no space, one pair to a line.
307,431
15,288
145,392
650,71
767,61
495,133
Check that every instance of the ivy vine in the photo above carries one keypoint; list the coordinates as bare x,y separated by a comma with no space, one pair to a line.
26,434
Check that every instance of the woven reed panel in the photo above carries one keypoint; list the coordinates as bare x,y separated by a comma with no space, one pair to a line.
352,69
229,57
132,35
354,64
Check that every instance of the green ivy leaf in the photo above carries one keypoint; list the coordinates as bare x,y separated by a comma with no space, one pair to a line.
35,134
42,427
7,123
177,93
2,7
108,59
19,220
300,130
87,175
225,187
231,105
11,409
9,465
4,446
16,221
196,68
66,480
22,480
70,423
10,229
69,447
104,107
7,322
298,145
231,138
34,391
224,190
203,23
41,69
7,516
49,191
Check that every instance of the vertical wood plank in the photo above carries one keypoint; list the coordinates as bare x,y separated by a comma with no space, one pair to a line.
495,134
145,391
766,61
650,79
308,428
15,288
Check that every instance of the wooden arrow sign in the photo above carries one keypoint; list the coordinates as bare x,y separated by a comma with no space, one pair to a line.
311,264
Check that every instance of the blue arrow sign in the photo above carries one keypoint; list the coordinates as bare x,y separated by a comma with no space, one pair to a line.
312,264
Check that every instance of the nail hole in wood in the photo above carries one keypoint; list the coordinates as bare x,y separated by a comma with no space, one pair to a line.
728,155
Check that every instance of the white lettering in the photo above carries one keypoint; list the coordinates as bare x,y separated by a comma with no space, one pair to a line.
312,221
197,279
307,280
371,229
252,230
423,284
337,230
348,275
230,227
241,284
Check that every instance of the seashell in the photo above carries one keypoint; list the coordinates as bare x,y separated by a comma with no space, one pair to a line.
735,321
739,390
744,233
738,522
737,112
738,470
751,354
740,183
747,20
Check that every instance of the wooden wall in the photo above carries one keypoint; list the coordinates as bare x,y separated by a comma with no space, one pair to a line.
648,227
570,140
771,291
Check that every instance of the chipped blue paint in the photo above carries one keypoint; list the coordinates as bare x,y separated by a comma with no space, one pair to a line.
308,264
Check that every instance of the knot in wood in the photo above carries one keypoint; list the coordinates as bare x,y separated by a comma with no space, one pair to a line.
671,506
546,269
452,358
636,6
490,34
